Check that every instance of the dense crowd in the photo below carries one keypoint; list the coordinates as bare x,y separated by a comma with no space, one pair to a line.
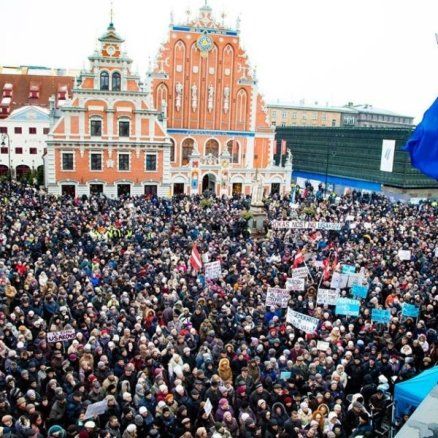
168,353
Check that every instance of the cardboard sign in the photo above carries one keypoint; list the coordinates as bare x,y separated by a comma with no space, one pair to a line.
404,254
277,297
279,225
323,345
300,272
61,336
355,279
96,409
348,307
296,284
381,316
327,296
302,322
213,270
409,310
359,291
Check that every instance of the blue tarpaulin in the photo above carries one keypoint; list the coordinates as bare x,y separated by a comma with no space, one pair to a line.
412,392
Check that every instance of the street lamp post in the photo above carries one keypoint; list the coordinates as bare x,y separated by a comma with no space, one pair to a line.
9,157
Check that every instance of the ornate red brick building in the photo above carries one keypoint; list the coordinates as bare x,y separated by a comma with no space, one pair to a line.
216,119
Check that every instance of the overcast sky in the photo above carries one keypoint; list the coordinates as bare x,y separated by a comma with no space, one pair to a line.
381,52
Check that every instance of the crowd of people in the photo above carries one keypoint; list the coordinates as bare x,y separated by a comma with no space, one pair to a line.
151,348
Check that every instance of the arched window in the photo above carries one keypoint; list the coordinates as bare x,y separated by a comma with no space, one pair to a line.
172,151
234,150
116,81
187,149
212,147
104,80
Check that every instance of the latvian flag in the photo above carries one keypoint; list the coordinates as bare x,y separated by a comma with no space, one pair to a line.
299,259
195,259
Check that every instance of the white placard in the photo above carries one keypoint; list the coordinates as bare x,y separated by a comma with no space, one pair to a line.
356,278
278,225
302,322
213,270
96,409
296,284
367,225
339,281
349,218
323,345
300,272
277,297
61,336
327,296
208,407
404,254
387,158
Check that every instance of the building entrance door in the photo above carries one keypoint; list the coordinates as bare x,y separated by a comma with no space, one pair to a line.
123,190
275,188
178,188
209,183
150,191
96,189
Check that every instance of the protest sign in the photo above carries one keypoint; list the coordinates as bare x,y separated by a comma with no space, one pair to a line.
348,307
367,225
302,322
327,296
409,310
277,297
296,284
380,316
213,270
404,254
96,409
285,375
208,407
359,291
355,279
323,345
278,225
300,272
339,281
61,336
348,269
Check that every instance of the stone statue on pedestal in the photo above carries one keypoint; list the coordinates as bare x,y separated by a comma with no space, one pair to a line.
257,191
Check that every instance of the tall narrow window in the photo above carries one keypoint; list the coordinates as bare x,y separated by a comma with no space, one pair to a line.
187,149
95,161
172,151
151,162
212,148
116,81
96,128
67,161
104,80
233,149
124,162
124,128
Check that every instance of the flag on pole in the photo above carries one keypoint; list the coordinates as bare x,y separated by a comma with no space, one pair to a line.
195,259
423,143
329,266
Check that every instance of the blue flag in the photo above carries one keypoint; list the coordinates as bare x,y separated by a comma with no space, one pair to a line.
423,143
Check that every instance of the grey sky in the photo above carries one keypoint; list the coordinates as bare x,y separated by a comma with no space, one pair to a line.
381,52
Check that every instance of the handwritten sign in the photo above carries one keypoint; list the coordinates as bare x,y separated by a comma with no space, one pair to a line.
334,226
213,270
323,345
404,254
277,297
355,279
208,407
327,296
300,272
359,291
339,281
409,310
380,316
348,307
296,284
61,336
302,322
96,409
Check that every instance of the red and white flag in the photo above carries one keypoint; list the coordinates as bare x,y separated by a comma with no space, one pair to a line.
195,259
298,259
330,264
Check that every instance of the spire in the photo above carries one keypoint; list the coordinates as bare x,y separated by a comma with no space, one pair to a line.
111,25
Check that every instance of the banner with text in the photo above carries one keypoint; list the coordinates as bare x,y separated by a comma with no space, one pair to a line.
348,307
279,225
359,291
409,310
302,322
213,270
381,316
327,296
300,272
61,336
295,284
